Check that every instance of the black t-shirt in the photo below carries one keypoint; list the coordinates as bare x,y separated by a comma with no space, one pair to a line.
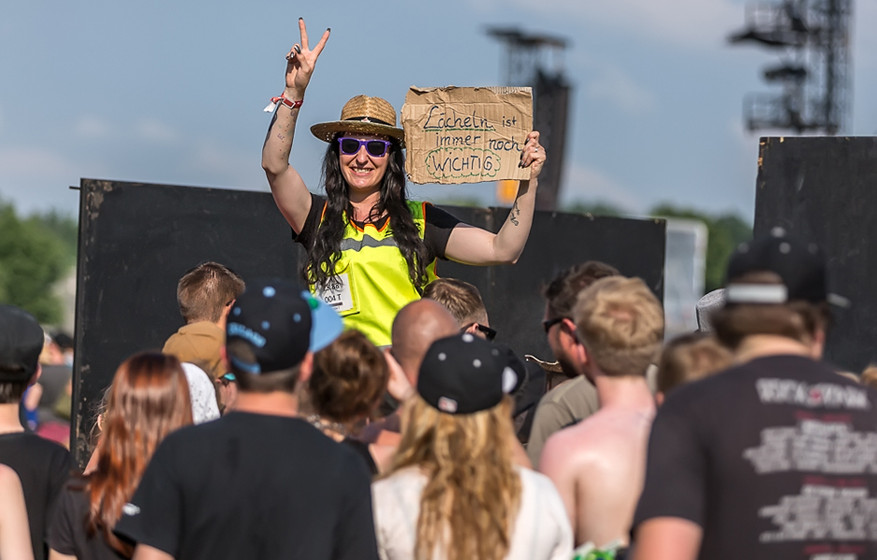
67,532
253,486
361,449
776,458
435,234
43,467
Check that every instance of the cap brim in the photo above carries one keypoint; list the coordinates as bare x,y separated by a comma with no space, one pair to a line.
326,131
326,324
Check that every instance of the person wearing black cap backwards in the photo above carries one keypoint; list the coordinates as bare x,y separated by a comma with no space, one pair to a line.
453,491
43,466
370,250
259,482
775,457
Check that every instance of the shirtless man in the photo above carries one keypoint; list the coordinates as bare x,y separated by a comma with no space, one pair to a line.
599,464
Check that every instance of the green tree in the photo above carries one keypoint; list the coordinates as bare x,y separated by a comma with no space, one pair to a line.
725,232
599,208
33,257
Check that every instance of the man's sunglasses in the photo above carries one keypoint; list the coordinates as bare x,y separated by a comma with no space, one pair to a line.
375,148
489,333
548,323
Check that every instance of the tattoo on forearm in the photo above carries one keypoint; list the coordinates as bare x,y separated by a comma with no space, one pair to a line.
513,215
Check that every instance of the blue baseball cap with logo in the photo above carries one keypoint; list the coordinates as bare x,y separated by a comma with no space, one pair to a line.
274,324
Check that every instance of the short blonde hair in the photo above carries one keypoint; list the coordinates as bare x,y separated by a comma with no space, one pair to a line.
621,325
461,298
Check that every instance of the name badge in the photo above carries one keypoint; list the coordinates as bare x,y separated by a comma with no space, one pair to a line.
339,294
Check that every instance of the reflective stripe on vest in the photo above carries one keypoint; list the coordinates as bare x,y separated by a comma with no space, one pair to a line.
371,281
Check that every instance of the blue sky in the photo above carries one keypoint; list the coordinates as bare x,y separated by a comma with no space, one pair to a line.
172,92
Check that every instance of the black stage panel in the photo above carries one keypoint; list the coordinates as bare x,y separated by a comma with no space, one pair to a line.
136,240
824,190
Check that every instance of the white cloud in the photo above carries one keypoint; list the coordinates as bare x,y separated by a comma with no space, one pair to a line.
614,86
220,164
92,127
587,184
682,22
35,179
154,130
23,162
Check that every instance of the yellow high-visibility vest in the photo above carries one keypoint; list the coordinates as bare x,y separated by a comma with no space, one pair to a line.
371,282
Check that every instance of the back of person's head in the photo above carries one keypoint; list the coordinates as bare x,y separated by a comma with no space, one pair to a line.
777,285
205,291
461,298
148,399
620,323
349,378
457,429
63,340
690,357
562,292
21,342
415,327
273,327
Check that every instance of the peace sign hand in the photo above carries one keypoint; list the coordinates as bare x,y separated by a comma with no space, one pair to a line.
300,62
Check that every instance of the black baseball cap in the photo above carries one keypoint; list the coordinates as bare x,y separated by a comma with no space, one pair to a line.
21,341
462,374
801,266
279,323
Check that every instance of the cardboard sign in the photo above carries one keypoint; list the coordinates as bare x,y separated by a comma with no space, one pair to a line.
466,135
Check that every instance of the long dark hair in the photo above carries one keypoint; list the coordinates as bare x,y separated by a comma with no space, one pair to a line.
326,250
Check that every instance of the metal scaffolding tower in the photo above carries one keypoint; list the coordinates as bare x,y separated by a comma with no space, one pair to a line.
536,61
813,39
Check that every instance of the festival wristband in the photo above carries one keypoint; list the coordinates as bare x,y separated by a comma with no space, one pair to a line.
285,101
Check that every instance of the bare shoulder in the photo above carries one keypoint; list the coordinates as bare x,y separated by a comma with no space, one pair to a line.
571,447
8,478
598,440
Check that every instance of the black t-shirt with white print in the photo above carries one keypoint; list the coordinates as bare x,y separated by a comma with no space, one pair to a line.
776,458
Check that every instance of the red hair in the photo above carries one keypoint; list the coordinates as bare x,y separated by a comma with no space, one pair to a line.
148,399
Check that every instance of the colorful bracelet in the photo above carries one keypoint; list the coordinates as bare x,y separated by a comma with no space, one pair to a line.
284,100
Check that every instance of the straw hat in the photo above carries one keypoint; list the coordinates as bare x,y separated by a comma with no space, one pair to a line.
362,115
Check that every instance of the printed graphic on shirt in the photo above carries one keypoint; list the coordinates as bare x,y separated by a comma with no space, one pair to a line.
819,395
814,446
822,512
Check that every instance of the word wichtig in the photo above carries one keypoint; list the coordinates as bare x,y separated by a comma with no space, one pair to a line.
466,135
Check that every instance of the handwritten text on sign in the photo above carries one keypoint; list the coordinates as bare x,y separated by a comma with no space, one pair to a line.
466,135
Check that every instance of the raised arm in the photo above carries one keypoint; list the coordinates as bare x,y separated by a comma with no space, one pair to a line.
290,192
473,245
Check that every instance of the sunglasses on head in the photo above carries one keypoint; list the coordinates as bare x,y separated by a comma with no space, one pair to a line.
375,148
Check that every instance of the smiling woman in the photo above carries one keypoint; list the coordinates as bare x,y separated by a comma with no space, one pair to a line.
370,250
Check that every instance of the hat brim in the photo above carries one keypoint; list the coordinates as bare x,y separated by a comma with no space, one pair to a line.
326,131
326,324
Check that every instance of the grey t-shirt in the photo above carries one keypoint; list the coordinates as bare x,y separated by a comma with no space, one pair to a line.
567,404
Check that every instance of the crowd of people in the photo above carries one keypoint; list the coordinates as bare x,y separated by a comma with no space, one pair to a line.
369,411
734,440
